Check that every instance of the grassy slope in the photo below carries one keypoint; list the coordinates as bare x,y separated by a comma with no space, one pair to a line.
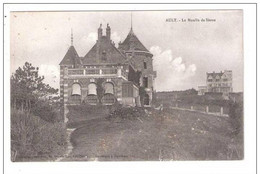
171,135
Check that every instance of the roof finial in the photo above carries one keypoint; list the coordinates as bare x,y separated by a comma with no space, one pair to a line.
131,21
71,37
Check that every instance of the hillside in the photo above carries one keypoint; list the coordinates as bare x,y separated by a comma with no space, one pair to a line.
170,135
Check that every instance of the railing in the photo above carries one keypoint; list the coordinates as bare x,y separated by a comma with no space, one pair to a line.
98,71
76,72
76,99
207,109
108,99
109,71
91,99
92,71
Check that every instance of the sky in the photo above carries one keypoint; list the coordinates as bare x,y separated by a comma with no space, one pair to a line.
183,51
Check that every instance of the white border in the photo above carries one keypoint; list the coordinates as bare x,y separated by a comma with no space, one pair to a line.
248,165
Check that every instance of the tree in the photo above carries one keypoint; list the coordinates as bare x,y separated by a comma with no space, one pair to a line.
27,87
31,133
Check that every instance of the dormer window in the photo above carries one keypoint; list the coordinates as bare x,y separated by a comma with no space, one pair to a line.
217,78
104,55
210,79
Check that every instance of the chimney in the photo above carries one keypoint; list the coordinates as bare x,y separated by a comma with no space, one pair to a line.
98,41
100,32
108,32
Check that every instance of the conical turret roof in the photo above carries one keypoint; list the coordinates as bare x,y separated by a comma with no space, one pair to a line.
132,41
71,57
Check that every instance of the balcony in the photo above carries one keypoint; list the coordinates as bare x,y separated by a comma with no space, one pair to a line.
75,72
91,71
92,99
75,99
108,99
107,72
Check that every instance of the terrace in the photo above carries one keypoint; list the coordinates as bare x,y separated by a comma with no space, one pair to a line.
96,72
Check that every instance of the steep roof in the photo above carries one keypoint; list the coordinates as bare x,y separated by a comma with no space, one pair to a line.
71,57
132,39
103,52
214,75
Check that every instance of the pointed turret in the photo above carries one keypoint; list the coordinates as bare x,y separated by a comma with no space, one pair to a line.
71,39
132,43
71,58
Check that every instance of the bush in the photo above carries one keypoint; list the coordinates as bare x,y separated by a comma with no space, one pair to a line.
46,112
80,114
236,117
35,139
130,113
85,109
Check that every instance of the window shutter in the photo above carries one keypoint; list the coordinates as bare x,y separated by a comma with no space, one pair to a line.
76,89
109,88
92,89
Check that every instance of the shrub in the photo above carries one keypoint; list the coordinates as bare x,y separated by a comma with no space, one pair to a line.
236,117
47,112
80,114
35,139
130,113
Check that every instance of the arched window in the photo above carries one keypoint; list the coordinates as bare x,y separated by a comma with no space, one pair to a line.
109,88
92,89
76,89
104,55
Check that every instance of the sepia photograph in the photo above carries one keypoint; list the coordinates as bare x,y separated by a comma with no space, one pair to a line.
128,85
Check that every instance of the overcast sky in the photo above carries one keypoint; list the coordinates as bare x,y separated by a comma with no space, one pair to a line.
183,51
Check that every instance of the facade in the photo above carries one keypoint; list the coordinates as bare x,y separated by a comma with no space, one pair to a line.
217,83
107,74
142,60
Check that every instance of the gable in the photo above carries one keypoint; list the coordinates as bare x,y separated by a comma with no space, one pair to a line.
103,52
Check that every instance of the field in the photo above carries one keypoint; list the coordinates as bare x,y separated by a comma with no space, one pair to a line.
166,135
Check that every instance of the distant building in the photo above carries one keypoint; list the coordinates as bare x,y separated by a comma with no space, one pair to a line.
217,83
107,74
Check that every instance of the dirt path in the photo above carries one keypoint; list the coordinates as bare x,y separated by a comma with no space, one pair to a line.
69,148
